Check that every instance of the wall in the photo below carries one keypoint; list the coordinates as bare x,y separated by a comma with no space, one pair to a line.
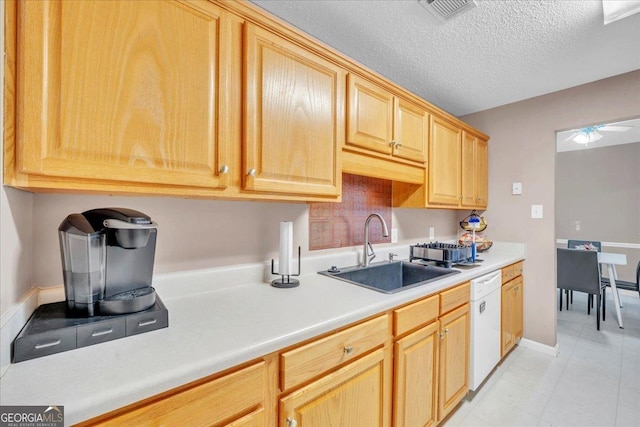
522,149
606,204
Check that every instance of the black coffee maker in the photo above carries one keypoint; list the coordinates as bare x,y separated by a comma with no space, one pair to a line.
107,261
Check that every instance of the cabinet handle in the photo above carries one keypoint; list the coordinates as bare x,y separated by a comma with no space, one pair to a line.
446,330
398,145
516,288
393,143
441,335
348,350
291,422
224,169
252,172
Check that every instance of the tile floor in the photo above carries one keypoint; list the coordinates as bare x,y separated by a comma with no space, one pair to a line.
594,381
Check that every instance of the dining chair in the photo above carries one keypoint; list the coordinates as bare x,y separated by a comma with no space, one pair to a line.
579,270
588,245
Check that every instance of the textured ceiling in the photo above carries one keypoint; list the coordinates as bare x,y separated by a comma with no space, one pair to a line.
501,52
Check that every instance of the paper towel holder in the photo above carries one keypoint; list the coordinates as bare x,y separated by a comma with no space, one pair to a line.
285,280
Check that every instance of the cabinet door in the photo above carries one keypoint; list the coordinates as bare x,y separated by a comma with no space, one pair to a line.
482,173
416,378
454,359
410,131
444,163
355,395
122,91
506,317
370,116
518,293
294,117
468,173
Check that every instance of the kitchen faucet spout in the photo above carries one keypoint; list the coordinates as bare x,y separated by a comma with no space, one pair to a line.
368,253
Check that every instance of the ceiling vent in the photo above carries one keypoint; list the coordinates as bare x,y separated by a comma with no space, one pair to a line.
445,10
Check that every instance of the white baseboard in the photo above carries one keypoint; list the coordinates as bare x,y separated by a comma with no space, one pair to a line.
542,348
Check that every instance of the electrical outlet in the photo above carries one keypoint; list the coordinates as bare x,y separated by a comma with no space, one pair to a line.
432,233
394,235
536,211
516,188
578,225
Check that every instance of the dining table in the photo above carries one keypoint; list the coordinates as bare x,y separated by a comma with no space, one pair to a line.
610,260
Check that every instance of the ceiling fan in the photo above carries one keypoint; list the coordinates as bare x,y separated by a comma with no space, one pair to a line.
592,133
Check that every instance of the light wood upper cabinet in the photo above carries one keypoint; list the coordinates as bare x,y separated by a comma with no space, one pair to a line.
475,158
357,394
294,117
444,163
410,131
370,120
122,91
384,123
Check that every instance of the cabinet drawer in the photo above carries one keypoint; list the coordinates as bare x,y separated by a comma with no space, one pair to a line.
511,271
310,360
206,403
454,297
414,315
101,332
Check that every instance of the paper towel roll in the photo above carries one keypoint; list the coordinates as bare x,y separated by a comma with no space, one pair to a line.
286,248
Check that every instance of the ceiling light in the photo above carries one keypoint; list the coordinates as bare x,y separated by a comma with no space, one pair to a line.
586,137
614,10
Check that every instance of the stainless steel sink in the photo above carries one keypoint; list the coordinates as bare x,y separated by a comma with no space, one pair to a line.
390,277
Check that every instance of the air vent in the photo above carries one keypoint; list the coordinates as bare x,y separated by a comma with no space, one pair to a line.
444,10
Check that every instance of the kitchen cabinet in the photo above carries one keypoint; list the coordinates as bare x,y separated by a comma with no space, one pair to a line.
294,117
457,171
386,134
384,123
512,307
431,364
415,396
235,399
354,395
119,95
444,163
347,388
475,181
453,382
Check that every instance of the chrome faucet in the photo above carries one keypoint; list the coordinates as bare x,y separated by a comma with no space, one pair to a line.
368,253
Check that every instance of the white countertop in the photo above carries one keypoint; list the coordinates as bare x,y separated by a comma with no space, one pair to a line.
218,318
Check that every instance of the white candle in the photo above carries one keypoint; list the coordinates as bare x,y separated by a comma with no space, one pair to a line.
286,248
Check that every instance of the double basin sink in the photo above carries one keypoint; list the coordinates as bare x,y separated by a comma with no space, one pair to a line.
390,277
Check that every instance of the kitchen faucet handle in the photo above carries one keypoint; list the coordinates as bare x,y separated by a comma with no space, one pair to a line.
391,255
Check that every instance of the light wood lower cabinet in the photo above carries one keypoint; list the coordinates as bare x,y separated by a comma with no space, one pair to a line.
237,399
415,397
431,364
454,359
355,395
512,308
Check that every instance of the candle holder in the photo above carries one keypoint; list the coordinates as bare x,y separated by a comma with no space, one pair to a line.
285,280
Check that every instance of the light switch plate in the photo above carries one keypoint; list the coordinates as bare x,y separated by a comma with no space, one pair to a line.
394,235
516,188
536,211
432,233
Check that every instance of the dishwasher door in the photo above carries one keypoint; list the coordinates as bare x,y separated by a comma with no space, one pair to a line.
485,327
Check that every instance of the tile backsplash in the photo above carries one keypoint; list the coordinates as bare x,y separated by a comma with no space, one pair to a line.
336,225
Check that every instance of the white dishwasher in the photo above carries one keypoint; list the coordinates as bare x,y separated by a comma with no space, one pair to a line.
485,326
